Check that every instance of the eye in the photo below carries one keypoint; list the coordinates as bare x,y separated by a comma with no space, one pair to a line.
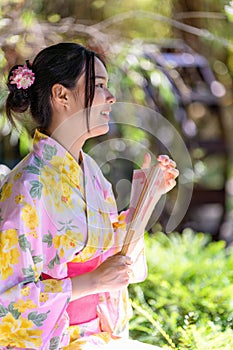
100,85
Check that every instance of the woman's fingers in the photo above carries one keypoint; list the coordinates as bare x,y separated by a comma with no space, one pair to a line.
164,160
168,165
170,184
172,173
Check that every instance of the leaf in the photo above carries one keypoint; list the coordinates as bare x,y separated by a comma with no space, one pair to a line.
36,189
62,223
74,226
48,239
24,243
36,318
55,260
15,313
3,311
37,258
51,264
49,152
32,169
28,272
54,343
38,161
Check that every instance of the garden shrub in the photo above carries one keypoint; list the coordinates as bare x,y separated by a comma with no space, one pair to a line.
186,302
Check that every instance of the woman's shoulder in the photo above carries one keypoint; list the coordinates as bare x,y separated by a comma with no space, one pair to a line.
19,175
17,188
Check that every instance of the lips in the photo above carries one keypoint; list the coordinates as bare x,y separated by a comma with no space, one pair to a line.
105,114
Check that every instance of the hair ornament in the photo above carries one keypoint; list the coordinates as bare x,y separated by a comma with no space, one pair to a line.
23,77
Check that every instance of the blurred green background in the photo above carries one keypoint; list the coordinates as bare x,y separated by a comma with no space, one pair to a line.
175,57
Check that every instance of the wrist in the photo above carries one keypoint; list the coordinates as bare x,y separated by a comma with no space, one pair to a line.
83,285
94,281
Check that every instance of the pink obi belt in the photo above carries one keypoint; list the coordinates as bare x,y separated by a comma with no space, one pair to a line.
83,309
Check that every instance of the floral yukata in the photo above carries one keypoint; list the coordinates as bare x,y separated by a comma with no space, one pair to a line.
58,220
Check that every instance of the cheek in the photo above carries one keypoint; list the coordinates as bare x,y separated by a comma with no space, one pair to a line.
99,97
78,103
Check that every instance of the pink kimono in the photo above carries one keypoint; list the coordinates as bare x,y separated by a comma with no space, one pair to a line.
57,221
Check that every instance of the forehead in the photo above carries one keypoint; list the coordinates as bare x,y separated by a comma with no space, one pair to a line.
100,69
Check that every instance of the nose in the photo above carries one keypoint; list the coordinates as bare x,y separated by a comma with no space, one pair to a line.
110,98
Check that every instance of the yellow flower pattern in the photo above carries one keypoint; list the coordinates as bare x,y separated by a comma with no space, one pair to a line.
25,291
44,297
17,176
19,199
54,189
52,286
23,305
19,332
5,192
121,223
68,240
9,253
30,217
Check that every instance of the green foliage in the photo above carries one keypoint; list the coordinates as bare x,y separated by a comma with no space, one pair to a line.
229,11
131,71
186,300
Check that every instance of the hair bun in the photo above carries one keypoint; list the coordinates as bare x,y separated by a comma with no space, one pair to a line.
18,100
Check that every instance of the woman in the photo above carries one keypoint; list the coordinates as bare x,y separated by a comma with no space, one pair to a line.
63,285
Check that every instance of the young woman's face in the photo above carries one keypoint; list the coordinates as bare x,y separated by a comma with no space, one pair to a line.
101,106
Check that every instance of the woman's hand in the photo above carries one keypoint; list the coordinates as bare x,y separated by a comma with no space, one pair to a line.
113,274
171,172
166,164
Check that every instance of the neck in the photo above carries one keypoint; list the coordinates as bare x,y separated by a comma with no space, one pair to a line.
70,133
75,151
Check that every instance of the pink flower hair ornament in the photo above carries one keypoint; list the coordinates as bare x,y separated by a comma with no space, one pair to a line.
23,77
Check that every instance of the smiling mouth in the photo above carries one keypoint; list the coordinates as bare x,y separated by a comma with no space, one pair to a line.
105,114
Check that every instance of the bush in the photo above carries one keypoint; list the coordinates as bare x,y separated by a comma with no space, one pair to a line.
186,301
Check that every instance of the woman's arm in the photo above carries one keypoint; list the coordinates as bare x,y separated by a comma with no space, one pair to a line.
113,274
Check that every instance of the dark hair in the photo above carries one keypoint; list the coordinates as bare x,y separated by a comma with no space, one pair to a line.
61,63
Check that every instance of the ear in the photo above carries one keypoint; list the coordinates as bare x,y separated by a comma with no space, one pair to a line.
60,95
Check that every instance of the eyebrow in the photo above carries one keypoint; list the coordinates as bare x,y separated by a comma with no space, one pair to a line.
101,77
